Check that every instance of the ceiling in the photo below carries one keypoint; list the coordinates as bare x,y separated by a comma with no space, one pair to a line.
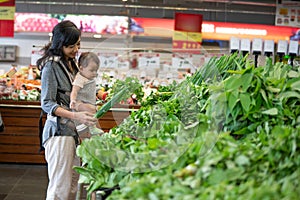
255,11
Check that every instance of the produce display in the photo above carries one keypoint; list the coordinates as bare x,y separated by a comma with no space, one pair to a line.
230,131
119,92
23,84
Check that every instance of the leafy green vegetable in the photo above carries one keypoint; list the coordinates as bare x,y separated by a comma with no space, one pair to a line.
232,130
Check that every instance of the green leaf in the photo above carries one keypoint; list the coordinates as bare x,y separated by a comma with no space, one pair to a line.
258,86
273,89
242,160
233,83
246,81
289,94
217,176
272,111
245,101
153,143
264,95
293,74
296,85
232,100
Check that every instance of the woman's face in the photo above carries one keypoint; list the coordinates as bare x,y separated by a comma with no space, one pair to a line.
71,50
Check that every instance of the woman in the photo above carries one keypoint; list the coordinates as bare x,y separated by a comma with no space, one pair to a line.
58,69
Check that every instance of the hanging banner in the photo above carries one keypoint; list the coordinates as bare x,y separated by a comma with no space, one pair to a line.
187,35
7,14
287,13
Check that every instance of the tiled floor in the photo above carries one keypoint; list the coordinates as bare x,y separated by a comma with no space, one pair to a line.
23,182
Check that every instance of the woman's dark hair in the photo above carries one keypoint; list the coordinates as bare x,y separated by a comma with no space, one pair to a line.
87,57
64,33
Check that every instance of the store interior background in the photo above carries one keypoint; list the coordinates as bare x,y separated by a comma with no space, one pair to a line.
251,12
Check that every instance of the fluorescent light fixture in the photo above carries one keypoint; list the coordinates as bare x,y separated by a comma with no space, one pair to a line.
97,36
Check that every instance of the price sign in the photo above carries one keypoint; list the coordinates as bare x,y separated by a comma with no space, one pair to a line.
245,45
257,45
269,46
282,46
149,60
294,47
123,64
108,60
182,61
234,44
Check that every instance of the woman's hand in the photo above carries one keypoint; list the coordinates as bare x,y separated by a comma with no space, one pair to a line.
86,118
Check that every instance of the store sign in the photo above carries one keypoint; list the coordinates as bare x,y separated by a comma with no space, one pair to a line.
187,32
287,13
257,45
269,47
282,47
7,13
293,48
165,28
245,45
234,44
222,30
149,61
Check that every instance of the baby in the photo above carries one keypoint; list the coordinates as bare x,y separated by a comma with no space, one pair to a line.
83,95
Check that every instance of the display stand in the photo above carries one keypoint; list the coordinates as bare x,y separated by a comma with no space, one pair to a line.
19,142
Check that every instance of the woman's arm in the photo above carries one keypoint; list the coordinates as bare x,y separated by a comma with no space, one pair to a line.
49,87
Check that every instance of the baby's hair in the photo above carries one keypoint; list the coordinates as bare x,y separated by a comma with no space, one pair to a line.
87,57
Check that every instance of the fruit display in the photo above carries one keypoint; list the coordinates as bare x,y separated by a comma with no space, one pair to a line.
230,131
20,84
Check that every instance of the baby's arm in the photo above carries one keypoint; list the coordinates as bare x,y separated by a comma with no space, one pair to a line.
73,96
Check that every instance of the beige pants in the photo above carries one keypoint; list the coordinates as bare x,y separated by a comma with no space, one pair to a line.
60,154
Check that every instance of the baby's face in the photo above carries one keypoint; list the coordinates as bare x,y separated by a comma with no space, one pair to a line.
90,71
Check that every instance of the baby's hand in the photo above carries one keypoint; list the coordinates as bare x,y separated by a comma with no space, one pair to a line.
73,104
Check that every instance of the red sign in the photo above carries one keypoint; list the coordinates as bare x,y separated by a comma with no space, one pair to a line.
187,32
7,12
188,22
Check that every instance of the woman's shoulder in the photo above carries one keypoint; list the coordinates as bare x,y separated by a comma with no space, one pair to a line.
52,61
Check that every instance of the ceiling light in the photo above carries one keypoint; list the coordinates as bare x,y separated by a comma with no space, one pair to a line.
97,36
